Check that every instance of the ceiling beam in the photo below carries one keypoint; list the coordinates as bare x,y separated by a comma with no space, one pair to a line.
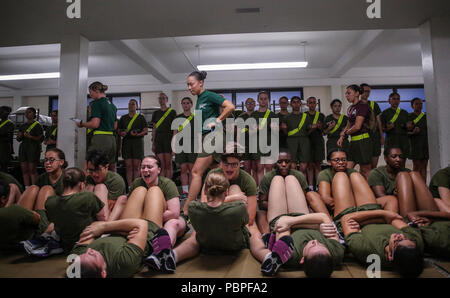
9,87
358,49
135,50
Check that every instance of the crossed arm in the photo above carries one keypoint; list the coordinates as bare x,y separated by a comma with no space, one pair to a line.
317,221
353,221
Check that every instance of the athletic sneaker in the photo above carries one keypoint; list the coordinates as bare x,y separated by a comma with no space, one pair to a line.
52,247
281,253
164,261
33,244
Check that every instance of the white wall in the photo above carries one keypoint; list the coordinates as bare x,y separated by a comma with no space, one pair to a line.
7,101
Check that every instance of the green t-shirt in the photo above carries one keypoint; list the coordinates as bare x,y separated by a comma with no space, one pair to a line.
165,126
245,182
228,218
264,186
440,179
104,109
436,238
114,183
71,214
139,124
292,122
373,239
399,124
167,186
7,178
380,177
36,131
422,124
122,259
337,133
209,103
316,134
327,175
16,224
301,237
6,132
44,179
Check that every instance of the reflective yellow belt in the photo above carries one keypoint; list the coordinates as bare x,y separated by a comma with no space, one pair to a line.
361,137
101,132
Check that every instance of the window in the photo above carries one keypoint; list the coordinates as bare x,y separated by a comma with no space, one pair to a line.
380,94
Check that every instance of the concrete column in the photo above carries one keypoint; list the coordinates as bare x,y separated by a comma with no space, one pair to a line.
73,89
435,41
18,102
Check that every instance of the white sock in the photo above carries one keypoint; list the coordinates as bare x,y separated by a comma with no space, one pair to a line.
269,254
176,256
185,188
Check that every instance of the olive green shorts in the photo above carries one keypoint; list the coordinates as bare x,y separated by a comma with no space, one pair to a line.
360,152
368,207
419,148
106,143
133,148
376,144
30,152
163,143
43,222
182,157
274,221
317,149
299,148
332,144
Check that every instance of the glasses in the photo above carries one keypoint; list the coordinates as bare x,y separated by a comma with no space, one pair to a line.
337,160
232,165
281,161
99,169
250,103
50,160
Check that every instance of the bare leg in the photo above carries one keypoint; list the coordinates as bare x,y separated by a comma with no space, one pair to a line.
341,188
200,166
188,248
388,203
303,166
277,198
163,164
25,174
119,206
33,172
317,204
169,169
14,195
310,173
175,228
255,170
101,192
261,221
44,193
317,165
442,205
129,171
296,201
135,204
350,164
190,167
136,163
405,191
248,166
361,190
259,171
29,197
154,205
184,174
423,170
374,162
424,198
268,168
257,248
365,170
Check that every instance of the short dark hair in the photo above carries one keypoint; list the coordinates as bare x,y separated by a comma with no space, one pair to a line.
392,94
73,176
97,157
188,98
151,156
296,97
318,266
6,109
414,99
355,88
199,75
335,149
263,92
408,261
33,110
364,85
335,101
388,149
283,97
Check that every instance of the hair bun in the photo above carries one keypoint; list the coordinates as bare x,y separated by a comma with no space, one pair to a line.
104,87
204,74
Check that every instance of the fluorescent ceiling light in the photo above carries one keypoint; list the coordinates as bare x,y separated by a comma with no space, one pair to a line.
48,75
252,66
